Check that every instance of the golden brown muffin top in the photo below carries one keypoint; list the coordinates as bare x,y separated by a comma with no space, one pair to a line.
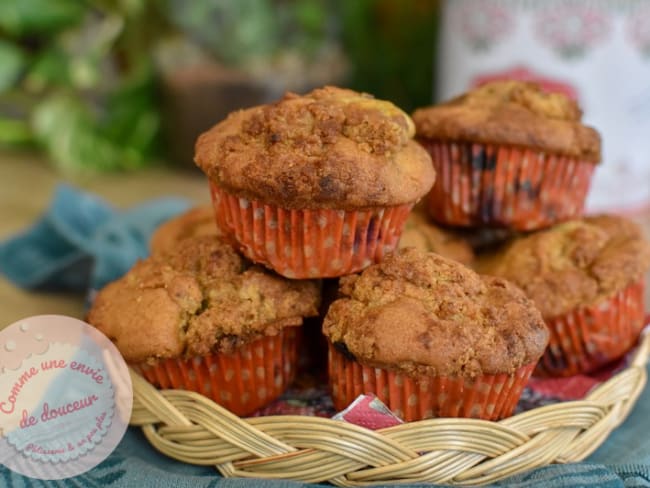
422,314
199,297
573,264
422,234
331,148
513,113
198,221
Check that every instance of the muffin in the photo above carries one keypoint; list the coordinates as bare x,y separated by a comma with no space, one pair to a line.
508,155
420,233
318,185
198,221
200,317
587,279
431,338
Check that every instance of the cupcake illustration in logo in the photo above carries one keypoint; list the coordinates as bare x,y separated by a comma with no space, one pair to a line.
65,397
572,30
483,23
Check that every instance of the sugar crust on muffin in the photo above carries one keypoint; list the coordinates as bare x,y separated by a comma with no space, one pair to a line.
425,315
330,148
574,264
512,113
198,298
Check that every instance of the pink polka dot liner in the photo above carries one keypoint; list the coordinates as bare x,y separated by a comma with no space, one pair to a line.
501,186
586,339
243,382
302,244
488,397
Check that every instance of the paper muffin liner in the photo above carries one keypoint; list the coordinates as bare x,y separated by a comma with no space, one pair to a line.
588,338
502,186
319,243
243,382
488,397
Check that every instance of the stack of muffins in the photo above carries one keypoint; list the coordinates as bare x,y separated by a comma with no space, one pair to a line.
512,157
324,186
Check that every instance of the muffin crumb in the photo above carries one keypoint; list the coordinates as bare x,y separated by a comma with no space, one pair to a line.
198,297
424,235
573,264
423,314
330,148
513,113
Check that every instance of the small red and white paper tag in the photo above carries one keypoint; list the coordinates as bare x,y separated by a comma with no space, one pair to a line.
370,412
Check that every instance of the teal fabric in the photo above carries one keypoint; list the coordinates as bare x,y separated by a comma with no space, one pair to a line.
82,242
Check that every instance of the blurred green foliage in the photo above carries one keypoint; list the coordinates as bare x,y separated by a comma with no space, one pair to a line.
78,79
249,32
232,31
392,46
25,17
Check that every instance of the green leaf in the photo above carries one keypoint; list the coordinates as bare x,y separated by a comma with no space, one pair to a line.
22,17
15,132
51,67
12,63
76,142
15,107
79,59
235,31
311,15
132,120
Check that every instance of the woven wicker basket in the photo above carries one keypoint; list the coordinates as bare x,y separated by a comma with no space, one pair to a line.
191,428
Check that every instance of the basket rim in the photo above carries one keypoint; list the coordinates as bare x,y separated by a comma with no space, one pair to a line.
192,428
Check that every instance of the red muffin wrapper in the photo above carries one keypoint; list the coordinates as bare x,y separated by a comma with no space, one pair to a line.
488,397
243,382
302,244
502,186
587,338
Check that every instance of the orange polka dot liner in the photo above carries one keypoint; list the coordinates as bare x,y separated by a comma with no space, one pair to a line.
487,397
502,186
304,243
586,339
243,382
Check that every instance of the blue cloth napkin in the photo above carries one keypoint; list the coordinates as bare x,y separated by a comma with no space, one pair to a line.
81,242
